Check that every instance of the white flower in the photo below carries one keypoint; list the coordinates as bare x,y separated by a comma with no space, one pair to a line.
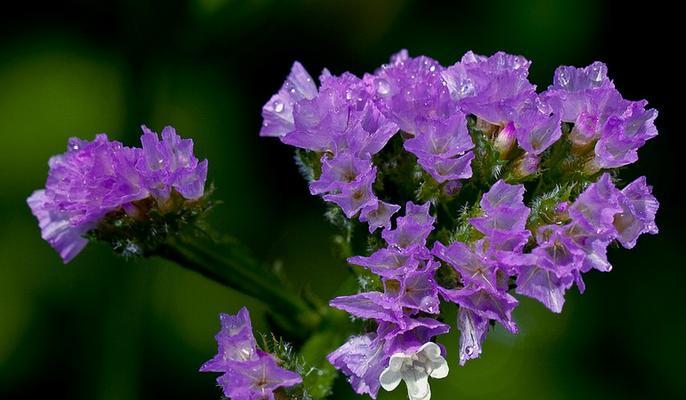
415,369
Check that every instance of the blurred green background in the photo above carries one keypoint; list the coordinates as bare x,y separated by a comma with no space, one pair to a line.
102,328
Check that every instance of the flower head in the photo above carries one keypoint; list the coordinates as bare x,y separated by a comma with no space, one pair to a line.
96,178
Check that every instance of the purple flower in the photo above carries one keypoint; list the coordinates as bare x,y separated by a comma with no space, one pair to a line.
445,139
537,126
578,89
411,335
356,195
473,268
473,330
556,251
341,118
235,342
248,372
413,229
362,359
587,97
85,183
256,379
410,89
593,244
448,169
338,172
623,136
388,262
95,178
170,164
440,148
278,112
370,305
595,208
504,217
543,284
418,290
378,215
639,207
490,304
492,88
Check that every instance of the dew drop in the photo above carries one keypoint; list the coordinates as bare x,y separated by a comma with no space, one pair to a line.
348,95
382,87
518,62
564,77
278,106
597,72
466,88
543,107
609,268
469,350
432,68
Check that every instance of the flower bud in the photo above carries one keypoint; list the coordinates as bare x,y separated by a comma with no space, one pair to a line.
585,130
505,139
526,165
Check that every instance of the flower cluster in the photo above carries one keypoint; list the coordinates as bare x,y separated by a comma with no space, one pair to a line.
530,173
248,373
410,292
93,179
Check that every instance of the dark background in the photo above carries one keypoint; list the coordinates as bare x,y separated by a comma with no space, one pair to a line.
103,328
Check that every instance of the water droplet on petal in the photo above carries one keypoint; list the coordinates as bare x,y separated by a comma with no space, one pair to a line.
543,107
432,68
564,77
517,62
382,87
609,268
469,350
277,106
466,88
598,72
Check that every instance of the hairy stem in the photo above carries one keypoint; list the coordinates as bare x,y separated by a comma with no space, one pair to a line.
238,270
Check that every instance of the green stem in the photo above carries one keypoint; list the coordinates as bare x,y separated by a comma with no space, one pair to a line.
240,271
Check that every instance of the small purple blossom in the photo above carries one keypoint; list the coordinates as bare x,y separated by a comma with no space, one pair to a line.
639,207
361,359
170,164
248,372
413,229
492,88
278,112
618,127
411,89
473,329
379,215
355,195
487,303
256,379
440,147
